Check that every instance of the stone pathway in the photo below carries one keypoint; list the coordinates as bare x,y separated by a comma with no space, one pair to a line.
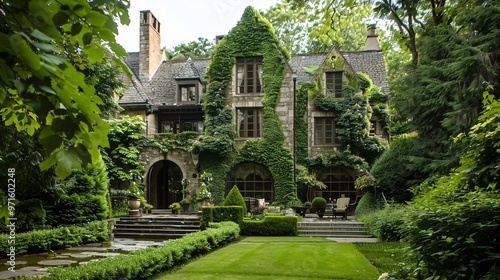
37,264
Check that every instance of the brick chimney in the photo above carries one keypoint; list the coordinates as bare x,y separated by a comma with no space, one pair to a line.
371,43
150,54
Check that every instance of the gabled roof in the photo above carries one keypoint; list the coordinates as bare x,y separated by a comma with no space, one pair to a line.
370,63
162,88
305,65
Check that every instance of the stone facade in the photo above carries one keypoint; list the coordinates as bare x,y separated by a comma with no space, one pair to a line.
154,94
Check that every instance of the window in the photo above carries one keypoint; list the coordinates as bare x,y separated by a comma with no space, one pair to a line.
334,84
373,128
249,75
252,180
324,131
188,93
249,122
339,183
178,127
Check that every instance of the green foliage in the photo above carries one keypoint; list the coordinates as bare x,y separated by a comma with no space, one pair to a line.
252,36
452,229
343,159
352,120
215,214
42,84
122,157
30,215
367,205
315,26
83,197
201,48
23,153
105,79
318,202
119,206
400,168
386,224
40,241
144,263
454,234
271,226
234,198
481,161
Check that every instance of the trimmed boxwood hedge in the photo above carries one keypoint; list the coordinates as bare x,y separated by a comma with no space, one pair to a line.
220,214
271,226
40,241
144,263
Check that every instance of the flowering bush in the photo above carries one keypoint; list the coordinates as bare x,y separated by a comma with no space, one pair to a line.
114,192
203,192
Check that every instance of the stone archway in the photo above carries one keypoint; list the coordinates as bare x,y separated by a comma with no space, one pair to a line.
165,172
164,184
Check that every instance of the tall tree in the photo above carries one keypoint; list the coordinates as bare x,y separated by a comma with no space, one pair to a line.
326,23
40,87
202,48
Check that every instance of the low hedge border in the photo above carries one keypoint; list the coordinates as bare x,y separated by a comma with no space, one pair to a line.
144,263
271,226
40,241
217,214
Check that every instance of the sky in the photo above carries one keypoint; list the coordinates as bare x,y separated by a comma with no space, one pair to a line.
183,21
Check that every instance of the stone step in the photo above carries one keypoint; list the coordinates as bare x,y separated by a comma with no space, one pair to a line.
348,229
156,226
152,235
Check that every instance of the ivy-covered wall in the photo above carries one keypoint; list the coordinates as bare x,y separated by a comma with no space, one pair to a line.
354,149
252,36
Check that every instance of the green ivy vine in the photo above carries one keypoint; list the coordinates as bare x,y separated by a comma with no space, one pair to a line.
252,36
352,122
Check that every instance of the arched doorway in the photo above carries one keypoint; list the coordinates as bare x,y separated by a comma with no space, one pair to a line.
164,187
339,182
252,180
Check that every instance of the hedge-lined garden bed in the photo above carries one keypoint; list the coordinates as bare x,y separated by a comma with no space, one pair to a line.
271,226
144,263
40,241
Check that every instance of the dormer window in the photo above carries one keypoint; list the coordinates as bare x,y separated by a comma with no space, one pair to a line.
249,75
187,91
333,83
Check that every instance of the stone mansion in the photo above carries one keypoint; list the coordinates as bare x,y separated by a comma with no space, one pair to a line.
259,112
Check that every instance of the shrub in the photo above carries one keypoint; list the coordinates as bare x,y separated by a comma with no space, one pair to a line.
217,214
386,224
454,234
271,226
366,205
234,198
144,263
30,215
83,197
295,201
318,202
40,241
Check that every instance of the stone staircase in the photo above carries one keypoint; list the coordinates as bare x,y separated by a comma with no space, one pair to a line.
343,229
158,226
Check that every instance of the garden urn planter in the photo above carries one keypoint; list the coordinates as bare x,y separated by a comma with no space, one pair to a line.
133,205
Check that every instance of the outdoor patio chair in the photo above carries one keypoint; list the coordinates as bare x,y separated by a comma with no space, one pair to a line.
341,207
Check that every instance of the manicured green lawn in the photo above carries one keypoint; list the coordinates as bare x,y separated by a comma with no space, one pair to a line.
290,258
386,256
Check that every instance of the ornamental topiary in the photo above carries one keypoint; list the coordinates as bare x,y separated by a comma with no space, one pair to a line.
234,198
318,202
